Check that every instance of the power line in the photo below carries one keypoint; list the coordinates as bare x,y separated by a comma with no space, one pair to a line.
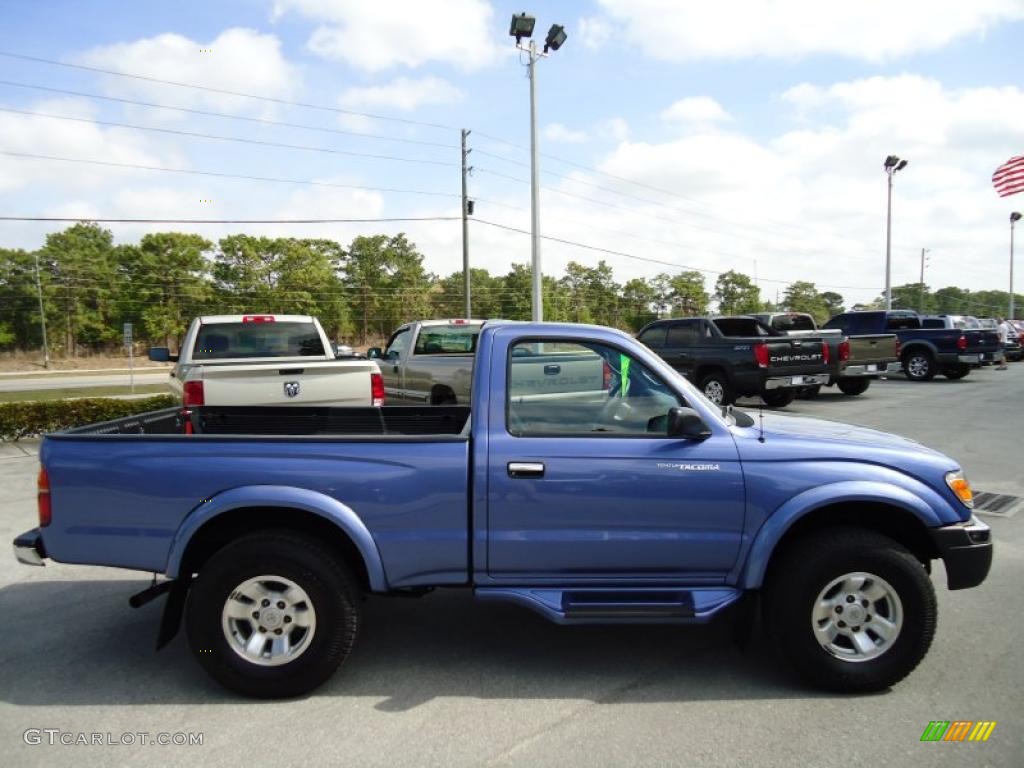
246,118
236,139
108,220
218,174
649,259
225,91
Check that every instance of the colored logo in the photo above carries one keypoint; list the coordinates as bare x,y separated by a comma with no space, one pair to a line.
958,730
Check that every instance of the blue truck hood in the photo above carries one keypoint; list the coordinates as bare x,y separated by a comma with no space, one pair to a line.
801,438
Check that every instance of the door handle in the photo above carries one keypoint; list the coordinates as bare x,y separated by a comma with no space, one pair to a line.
525,469
552,370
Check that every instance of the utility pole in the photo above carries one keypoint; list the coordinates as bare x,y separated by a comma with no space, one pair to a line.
465,227
538,280
1014,218
920,290
42,314
891,165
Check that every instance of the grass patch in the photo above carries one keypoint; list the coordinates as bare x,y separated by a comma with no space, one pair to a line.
35,395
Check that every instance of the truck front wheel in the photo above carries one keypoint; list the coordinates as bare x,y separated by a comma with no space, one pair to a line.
272,615
778,398
715,387
919,366
851,610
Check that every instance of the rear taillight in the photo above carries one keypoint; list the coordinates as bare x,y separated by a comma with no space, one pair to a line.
761,354
193,394
606,376
376,389
844,350
899,347
43,498
826,355
961,343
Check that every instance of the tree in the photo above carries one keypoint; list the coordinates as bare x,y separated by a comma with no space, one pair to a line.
913,296
688,296
81,264
447,298
638,299
803,296
736,294
19,304
833,303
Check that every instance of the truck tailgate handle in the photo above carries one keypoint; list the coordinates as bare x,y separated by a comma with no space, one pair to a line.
290,371
552,370
525,469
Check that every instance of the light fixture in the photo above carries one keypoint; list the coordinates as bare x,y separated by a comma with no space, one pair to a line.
1015,216
522,26
556,37
902,165
891,160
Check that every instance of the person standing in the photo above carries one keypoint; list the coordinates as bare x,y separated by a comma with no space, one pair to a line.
1004,330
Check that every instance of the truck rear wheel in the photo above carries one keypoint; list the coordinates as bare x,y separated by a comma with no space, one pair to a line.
853,386
851,610
272,615
918,365
715,387
778,398
956,371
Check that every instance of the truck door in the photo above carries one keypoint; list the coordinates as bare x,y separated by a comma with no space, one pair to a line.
392,365
589,487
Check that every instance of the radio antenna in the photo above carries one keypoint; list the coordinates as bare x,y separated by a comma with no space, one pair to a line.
760,424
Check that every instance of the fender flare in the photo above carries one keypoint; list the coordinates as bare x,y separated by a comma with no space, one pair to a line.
288,497
803,504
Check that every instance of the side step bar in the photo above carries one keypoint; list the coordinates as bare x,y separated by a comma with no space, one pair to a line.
592,605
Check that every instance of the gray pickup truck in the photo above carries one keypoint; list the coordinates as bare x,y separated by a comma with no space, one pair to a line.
431,361
854,359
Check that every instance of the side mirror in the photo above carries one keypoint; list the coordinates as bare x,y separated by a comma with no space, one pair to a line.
686,424
374,353
162,355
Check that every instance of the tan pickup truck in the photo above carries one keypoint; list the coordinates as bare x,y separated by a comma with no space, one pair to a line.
267,360
431,361
854,360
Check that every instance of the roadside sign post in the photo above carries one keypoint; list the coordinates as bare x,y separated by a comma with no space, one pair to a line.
131,355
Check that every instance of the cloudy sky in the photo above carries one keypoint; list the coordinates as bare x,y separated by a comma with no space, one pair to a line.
732,135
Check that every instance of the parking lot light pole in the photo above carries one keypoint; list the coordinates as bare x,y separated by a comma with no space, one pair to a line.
1014,218
891,165
522,26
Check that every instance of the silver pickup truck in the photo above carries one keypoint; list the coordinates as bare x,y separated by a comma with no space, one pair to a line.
431,361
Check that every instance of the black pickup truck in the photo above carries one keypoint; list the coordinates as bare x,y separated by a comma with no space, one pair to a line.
924,352
730,357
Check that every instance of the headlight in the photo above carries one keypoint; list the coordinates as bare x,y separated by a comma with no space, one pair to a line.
960,487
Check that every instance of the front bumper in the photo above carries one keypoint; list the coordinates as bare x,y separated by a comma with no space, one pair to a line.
787,382
966,551
29,549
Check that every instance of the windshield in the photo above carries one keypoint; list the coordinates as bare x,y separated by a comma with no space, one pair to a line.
223,341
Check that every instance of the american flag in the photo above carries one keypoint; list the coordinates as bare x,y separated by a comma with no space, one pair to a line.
1009,177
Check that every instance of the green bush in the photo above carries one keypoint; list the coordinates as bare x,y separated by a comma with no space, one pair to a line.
19,420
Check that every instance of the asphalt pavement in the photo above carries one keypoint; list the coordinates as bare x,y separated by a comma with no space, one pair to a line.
444,681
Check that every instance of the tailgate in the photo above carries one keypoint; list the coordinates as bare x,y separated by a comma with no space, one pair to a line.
337,382
865,350
795,355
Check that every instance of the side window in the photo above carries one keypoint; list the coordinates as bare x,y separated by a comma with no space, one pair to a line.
653,337
682,334
398,344
838,323
584,389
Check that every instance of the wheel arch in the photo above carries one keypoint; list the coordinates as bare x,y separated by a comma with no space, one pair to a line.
244,510
896,513
441,394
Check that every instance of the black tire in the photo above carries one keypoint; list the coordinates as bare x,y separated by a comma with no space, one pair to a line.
721,391
442,396
955,372
809,393
853,387
333,593
919,365
778,398
807,567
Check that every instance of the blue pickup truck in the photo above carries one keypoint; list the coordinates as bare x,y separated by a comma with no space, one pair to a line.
632,499
924,350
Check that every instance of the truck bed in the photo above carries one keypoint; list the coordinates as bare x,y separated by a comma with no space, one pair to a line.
292,421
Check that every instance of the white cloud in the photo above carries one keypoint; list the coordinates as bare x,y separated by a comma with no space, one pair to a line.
869,29
559,133
403,93
699,110
375,36
614,128
594,32
237,59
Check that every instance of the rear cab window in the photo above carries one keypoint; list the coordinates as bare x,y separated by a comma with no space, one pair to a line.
454,339
257,339
741,326
793,322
